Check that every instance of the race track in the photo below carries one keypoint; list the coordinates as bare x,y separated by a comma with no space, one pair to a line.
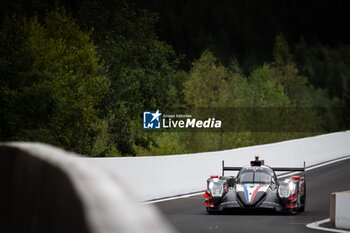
189,215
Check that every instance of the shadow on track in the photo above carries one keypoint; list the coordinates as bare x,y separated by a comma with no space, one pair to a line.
250,212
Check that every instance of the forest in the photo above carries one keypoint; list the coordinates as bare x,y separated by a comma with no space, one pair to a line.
79,74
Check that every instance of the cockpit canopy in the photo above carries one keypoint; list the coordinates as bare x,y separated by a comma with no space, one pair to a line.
253,174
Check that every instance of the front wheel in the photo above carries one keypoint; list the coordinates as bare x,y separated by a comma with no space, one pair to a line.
210,211
303,202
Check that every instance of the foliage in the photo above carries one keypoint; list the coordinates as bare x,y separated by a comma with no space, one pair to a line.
286,71
264,90
138,65
346,112
327,68
51,82
164,144
244,29
82,80
209,84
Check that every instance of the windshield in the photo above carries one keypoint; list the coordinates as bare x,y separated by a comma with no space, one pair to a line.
253,175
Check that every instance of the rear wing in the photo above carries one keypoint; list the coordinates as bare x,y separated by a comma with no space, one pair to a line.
229,168
256,162
261,162
289,169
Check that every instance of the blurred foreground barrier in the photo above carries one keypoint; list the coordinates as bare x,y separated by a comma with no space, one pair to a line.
340,209
44,189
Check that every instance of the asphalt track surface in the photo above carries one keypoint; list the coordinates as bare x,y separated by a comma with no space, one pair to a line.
189,215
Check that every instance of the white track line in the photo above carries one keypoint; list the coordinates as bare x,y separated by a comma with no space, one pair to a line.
316,166
176,197
280,176
327,163
316,226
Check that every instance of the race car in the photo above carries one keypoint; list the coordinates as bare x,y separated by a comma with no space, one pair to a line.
257,187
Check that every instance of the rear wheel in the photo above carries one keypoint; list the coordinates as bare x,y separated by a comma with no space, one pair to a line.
294,211
303,201
302,208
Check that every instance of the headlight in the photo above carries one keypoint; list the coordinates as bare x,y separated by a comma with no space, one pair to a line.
286,189
216,189
283,190
292,187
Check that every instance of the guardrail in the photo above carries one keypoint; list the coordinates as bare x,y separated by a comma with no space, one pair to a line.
165,176
46,189
340,210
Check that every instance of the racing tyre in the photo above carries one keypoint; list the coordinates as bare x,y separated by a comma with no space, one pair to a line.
302,209
303,202
209,211
293,212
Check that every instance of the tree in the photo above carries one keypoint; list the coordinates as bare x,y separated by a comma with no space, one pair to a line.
326,67
286,71
51,82
210,83
347,104
139,66
264,90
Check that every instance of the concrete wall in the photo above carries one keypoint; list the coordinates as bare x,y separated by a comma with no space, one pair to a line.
45,189
163,176
340,209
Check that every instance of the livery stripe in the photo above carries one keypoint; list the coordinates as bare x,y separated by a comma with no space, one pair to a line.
255,191
246,192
